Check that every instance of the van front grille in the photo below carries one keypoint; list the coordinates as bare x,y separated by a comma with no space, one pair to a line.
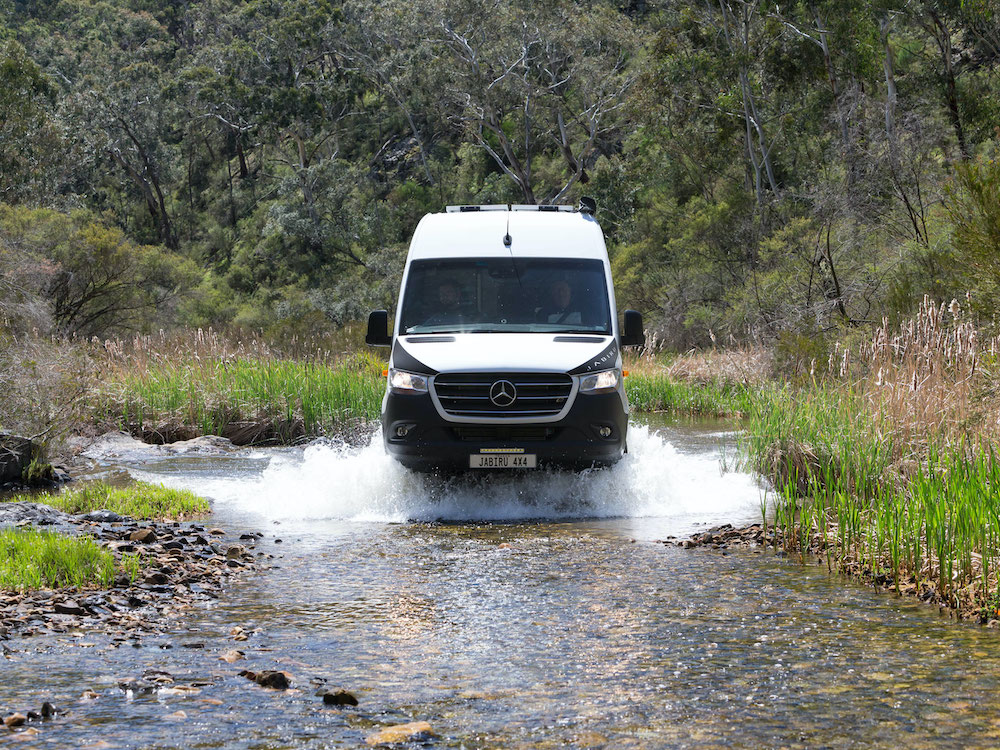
534,394
492,433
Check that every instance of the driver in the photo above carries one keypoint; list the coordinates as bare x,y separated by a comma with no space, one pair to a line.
560,308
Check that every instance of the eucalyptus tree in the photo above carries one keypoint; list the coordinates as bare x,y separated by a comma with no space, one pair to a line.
526,81
29,140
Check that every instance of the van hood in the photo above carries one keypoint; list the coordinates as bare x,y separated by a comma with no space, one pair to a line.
496,352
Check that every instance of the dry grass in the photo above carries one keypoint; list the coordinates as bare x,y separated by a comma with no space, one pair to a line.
929,382
738,366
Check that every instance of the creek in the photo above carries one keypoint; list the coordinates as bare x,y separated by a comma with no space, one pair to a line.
535,611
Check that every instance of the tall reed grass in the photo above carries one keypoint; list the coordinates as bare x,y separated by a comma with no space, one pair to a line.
206,381
889,466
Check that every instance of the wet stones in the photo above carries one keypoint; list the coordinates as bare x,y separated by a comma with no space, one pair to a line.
69,607
722,537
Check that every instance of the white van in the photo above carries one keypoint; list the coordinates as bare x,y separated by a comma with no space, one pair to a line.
506,351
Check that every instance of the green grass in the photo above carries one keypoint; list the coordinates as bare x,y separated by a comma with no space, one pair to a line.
31,559
137,500
210,395
656,392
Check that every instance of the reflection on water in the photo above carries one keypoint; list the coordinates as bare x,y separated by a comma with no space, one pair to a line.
539,633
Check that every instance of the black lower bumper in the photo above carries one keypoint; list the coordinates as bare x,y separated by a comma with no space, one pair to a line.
431,443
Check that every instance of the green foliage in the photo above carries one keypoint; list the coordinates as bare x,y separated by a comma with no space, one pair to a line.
211,395
28,141
37,472
94,278
974,206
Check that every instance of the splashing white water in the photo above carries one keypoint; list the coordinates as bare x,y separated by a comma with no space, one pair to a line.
364,484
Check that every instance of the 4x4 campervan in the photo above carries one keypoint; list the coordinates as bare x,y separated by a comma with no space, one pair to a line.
506,352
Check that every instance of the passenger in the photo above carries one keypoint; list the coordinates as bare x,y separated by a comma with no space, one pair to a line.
560,308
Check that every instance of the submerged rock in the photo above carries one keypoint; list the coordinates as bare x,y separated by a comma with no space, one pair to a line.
269,678
14,720
338,698
417,731
274,680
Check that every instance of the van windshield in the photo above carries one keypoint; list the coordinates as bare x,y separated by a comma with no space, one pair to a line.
505,295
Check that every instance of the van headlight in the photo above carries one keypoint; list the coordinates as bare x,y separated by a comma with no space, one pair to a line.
401,381
606,380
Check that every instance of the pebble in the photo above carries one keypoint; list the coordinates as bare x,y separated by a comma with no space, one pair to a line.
417,731
232,656
68,607
273,679
143,536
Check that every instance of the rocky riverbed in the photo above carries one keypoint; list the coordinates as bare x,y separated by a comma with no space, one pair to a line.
184,565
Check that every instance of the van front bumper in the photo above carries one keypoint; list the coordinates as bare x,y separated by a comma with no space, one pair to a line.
417,436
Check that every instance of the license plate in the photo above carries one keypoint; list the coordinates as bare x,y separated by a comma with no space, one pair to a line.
502,461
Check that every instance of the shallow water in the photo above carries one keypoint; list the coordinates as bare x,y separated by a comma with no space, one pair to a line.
529,611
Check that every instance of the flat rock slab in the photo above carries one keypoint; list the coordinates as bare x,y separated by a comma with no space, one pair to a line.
35,514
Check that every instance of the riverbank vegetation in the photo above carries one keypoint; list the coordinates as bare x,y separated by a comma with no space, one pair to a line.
31,559
141,500
165,388
883,459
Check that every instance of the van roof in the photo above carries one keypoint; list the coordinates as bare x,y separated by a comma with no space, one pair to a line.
533,234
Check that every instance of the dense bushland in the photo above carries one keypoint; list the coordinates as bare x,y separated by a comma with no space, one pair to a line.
766,172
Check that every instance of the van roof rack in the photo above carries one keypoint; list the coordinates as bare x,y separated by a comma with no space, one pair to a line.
510,207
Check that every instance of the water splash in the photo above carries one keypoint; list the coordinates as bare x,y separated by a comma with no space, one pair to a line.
332,482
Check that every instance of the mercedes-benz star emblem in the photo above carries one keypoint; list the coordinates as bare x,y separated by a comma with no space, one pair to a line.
503,393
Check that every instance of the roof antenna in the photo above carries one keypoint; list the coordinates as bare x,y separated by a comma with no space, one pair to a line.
507,242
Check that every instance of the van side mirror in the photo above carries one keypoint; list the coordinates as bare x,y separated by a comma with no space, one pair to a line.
378,329
633,335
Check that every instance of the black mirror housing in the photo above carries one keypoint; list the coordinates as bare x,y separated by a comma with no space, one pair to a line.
378,329
632,333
